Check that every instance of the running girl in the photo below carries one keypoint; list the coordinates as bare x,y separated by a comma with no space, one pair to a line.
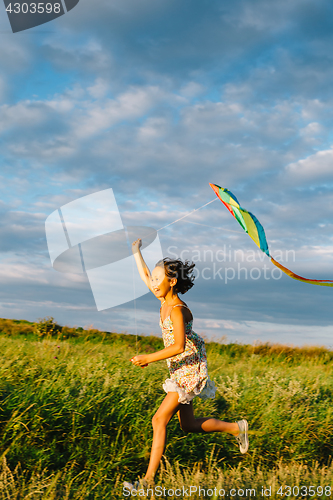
186,359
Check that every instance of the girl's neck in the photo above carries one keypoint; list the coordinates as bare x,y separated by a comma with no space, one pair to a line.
170,299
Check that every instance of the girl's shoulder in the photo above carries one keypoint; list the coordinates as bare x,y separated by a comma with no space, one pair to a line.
186,311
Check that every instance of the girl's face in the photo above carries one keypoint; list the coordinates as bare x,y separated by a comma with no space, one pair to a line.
160,283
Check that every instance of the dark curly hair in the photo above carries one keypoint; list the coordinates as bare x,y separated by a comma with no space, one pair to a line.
175,268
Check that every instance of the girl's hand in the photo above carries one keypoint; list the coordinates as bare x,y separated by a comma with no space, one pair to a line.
136,245
140,360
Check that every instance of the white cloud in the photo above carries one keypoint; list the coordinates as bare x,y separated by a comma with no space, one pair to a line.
21,271
99,89
316,167
192,89
3,89
67,52
16,54
263,16
23,114
153,128
130,105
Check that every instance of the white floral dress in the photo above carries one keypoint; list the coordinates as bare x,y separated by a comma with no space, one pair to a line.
188,370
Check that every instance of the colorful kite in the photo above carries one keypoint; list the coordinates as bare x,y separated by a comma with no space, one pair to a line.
254,229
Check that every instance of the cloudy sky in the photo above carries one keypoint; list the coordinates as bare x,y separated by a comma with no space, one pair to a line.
156,100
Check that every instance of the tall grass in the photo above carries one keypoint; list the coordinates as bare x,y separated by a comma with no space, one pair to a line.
75,415
236,482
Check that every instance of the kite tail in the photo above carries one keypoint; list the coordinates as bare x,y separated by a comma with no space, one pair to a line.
299,278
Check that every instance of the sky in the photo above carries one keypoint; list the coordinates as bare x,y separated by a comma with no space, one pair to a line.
156,100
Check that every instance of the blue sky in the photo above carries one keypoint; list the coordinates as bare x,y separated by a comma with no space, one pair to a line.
156,100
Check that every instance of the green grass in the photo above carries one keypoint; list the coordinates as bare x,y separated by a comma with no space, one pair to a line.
75,415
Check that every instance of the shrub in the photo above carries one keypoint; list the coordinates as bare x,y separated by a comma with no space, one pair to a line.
46,327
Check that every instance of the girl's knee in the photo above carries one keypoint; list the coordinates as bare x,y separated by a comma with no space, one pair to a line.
187,427
158,422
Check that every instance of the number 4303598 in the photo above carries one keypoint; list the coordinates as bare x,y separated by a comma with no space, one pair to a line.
34,8
304,491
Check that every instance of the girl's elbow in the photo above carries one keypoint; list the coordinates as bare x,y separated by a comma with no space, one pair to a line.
180,349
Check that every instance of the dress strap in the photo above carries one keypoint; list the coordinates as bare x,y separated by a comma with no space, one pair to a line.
180,305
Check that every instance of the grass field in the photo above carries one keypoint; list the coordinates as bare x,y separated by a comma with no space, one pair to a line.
75,418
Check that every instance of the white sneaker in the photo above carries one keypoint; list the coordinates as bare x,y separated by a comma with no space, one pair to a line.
243,438
137,485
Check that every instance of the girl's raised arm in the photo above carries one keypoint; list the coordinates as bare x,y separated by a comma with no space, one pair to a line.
142,266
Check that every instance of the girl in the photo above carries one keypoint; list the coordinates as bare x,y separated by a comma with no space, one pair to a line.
186,358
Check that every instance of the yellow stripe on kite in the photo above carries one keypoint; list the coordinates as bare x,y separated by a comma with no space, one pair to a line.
251,227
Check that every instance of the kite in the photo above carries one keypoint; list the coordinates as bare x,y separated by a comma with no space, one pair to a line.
254,229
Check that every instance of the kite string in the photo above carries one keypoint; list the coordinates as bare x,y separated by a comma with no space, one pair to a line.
133,273
160,229
214,227
135,323
192,212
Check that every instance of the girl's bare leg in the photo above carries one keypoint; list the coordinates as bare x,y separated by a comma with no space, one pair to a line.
188,423
168,408
191,424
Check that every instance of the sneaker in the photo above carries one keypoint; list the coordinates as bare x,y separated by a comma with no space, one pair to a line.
137,485
243,438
